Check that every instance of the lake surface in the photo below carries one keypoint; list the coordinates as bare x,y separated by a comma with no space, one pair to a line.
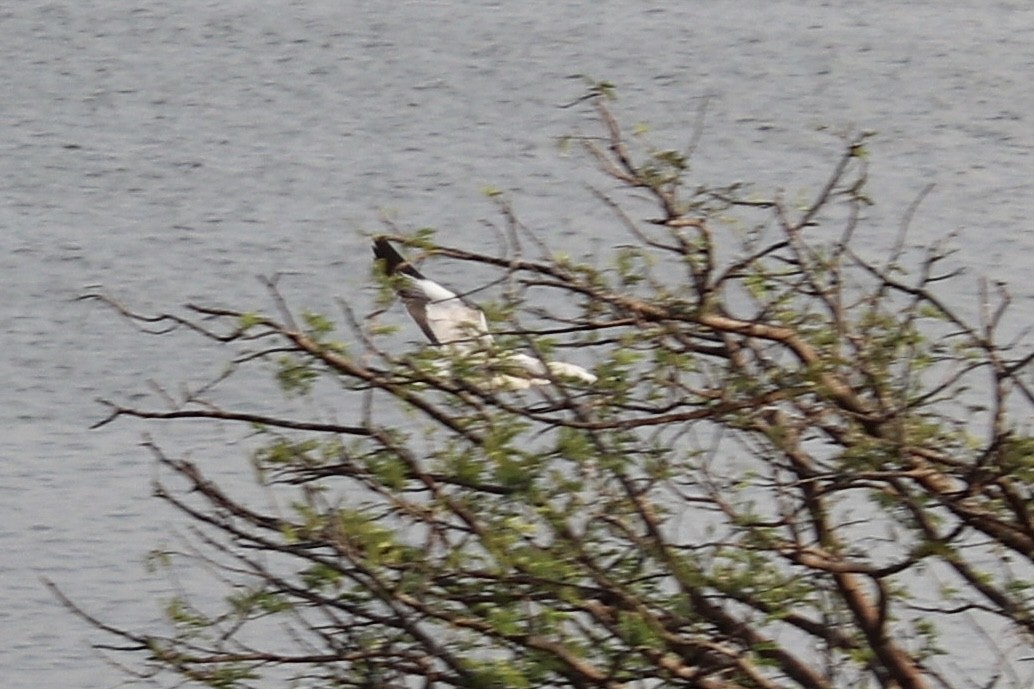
173,152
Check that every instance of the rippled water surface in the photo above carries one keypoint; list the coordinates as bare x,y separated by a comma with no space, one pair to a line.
173,152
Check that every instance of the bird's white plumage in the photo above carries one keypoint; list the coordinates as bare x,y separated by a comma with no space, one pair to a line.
449,320
560,369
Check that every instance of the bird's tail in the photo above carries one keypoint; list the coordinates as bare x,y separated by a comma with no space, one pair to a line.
393,260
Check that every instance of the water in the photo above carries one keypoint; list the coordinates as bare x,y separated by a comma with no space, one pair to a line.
174,151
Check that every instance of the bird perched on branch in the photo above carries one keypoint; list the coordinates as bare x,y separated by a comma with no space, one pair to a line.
451,321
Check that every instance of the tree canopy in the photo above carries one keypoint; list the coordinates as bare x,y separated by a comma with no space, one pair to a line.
798,466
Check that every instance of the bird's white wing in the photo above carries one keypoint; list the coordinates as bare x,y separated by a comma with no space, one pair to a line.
563,369
560,369
443,315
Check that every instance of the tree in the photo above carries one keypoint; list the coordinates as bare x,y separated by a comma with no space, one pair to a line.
798,468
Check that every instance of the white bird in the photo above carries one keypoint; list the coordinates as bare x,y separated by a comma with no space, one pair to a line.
449,320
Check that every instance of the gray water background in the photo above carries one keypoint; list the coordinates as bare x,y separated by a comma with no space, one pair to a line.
174,151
